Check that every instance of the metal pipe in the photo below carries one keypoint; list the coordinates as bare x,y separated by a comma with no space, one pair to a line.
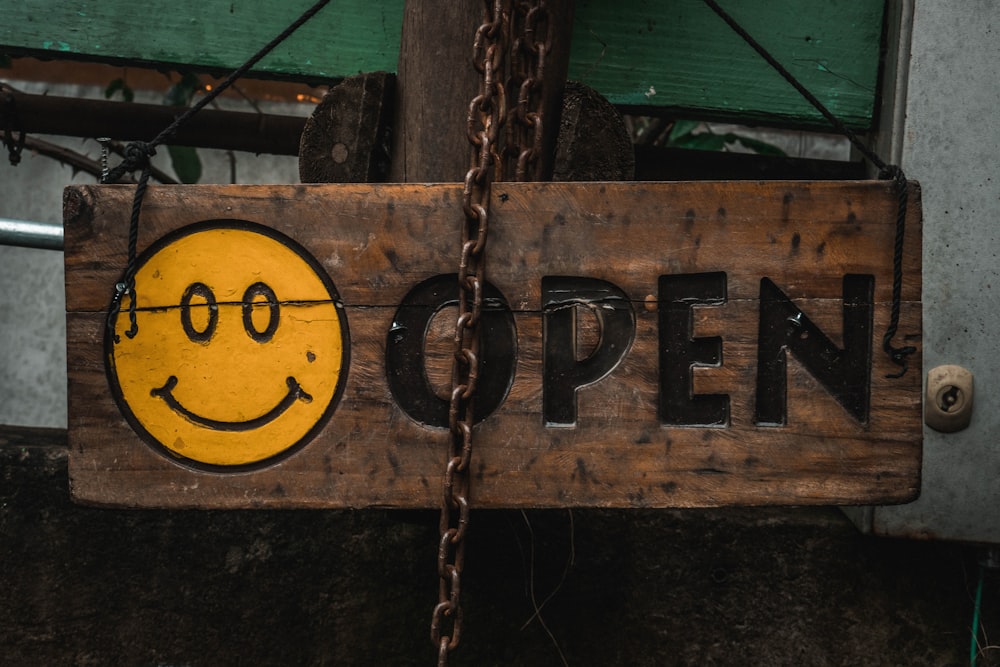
127,121
25,234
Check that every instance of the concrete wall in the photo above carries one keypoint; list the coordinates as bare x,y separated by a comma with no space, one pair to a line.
946,136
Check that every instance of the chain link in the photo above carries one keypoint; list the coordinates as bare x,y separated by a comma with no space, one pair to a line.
486,117
488,112
532,41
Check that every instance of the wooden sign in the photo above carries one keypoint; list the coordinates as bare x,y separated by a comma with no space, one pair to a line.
645,345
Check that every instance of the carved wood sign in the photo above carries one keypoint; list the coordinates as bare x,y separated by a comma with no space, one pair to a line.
645,345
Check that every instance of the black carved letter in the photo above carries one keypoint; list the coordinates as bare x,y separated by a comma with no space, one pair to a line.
679,351
562,372
846,373
404,351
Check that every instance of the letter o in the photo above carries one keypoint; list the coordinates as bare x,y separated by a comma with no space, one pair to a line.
404,351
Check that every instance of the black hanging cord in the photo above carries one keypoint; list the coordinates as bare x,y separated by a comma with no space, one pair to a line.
898,355
12,121
138,153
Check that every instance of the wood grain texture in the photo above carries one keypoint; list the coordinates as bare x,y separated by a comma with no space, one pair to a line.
676,56
437,81
378,241
346,139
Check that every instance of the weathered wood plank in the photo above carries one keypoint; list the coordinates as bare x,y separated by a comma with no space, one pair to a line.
676,55
835,224
378,242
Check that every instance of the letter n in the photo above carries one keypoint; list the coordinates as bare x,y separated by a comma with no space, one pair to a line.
845,373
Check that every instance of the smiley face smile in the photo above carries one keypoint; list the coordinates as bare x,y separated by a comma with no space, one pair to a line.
242,347
295,393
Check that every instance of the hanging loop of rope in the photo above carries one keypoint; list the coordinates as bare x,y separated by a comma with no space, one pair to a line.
898,355
12,125
137,157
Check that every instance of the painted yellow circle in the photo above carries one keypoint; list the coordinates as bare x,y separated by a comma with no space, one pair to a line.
241,349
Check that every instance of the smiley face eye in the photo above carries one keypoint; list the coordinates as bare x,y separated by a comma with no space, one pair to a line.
257,296
202,331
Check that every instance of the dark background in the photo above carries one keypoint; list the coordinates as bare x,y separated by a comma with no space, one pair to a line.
774,586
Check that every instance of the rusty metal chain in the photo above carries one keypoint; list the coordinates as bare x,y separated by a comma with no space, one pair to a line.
528,23
531,42
487,113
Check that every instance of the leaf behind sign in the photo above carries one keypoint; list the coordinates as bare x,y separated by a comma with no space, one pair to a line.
186,163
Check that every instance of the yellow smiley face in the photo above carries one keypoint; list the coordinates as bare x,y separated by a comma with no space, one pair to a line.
241,350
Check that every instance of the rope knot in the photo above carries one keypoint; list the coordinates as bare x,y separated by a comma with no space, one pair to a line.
136,158
892,172
898,355
137,155
889,172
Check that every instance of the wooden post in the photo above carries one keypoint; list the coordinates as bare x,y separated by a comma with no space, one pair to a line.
437,80
556,69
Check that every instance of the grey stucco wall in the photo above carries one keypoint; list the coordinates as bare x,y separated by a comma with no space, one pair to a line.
949,140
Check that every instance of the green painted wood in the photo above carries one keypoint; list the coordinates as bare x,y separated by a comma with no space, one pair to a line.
346,37
673,55
680,55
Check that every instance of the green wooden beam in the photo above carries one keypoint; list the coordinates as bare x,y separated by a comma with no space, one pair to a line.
679,55
346,37
672,55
